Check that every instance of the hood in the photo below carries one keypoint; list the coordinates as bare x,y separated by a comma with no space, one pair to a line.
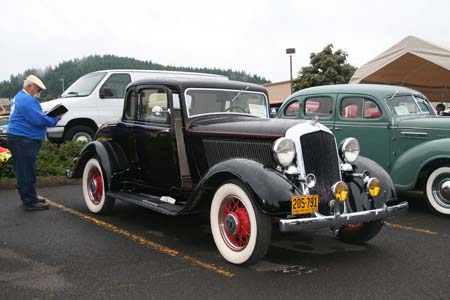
426,122
71,102
242,126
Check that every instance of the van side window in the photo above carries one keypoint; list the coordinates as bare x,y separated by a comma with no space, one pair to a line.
358,108
319,106
153,106
115,85
291,111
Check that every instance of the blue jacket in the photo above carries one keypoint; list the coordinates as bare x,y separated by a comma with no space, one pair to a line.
27,118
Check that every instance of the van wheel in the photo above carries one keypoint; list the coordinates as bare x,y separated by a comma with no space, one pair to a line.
94,192
79,133
241,232
437,190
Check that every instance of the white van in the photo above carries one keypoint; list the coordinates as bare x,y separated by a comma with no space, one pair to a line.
97,97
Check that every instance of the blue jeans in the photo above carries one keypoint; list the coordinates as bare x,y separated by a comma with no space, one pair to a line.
24,154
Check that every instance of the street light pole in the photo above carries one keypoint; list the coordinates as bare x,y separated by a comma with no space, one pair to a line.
290,52
62,82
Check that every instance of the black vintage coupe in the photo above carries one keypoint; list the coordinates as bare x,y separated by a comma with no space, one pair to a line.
185,146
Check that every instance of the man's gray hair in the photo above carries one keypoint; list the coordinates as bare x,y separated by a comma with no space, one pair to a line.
26,83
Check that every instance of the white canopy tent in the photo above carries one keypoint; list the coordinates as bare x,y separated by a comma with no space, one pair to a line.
413,63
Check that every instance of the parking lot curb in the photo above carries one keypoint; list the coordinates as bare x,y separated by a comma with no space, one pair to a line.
41,182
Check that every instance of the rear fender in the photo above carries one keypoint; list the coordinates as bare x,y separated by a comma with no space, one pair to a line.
111,158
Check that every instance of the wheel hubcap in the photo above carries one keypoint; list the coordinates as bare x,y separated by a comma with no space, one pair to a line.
441,190
95,186
82,137
234,223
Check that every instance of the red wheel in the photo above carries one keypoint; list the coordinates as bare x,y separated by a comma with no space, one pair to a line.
93,185
241,232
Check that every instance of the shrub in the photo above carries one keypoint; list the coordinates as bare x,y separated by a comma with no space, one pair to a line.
53,160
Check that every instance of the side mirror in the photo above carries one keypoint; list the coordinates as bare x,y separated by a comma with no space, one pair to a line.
101,95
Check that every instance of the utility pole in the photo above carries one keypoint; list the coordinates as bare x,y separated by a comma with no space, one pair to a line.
62,83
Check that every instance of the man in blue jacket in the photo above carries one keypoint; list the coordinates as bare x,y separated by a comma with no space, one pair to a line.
27,128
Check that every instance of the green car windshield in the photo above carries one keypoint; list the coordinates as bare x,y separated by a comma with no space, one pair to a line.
409,105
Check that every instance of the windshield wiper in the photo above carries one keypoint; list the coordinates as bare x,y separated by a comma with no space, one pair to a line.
239,93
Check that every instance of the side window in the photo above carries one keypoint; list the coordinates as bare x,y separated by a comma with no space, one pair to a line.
319,106
130,106
115,85
358,108
153,106
291,111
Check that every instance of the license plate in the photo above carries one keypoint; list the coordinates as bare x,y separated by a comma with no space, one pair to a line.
304,204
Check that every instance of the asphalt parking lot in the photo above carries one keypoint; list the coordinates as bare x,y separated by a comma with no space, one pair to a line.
68,253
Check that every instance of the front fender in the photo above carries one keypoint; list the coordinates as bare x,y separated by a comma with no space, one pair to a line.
406,169
271,190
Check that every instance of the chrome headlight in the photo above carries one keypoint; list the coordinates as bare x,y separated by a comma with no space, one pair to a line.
349,150
284,151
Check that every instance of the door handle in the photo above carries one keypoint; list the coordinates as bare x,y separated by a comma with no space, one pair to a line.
337,128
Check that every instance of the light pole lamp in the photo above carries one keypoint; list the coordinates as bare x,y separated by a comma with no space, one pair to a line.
290,52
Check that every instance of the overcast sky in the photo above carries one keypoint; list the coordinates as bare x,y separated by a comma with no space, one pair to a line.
242,35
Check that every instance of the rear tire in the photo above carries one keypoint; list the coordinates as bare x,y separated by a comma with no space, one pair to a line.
94,191
80,133
241,232
360,233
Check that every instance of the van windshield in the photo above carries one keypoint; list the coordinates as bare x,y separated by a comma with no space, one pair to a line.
84,85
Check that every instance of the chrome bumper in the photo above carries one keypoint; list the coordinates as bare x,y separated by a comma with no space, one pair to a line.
337,220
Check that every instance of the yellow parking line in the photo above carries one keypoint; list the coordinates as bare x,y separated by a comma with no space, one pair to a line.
141,240
410,228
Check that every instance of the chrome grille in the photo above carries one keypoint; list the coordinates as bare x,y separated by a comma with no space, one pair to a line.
321,159
220,150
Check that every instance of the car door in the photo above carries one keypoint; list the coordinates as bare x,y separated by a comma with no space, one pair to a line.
361,117
111,96
155,138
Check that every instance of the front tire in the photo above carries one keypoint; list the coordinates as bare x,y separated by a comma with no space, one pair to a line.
241,232
93,184
359,233
437,190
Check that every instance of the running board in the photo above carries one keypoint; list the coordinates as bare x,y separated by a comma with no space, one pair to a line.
149,201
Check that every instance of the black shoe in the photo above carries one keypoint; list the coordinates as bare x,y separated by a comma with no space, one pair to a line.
36,206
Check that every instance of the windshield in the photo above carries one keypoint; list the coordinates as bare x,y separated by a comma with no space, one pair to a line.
84,85
202,101
409,104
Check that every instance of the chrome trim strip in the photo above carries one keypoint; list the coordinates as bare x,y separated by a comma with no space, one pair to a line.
410,134
338,220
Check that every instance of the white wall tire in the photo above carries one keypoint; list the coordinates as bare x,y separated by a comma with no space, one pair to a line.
437,190
241,232
94,192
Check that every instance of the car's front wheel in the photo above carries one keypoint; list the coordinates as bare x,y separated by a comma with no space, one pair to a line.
241,232
93,184
437,190
359,233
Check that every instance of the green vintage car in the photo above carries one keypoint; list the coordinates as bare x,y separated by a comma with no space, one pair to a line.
396,126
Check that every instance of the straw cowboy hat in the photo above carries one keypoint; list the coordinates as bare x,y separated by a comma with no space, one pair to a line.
36,81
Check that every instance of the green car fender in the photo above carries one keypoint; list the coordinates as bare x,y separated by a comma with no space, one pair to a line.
407,167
